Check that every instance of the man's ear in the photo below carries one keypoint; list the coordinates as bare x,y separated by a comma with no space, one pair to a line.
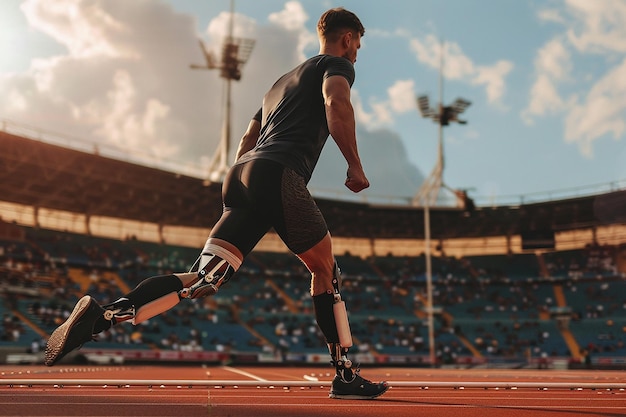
346,39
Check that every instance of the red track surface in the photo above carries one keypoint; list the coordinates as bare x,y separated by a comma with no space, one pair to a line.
449,395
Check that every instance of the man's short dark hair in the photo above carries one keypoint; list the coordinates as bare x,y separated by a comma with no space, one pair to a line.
334,21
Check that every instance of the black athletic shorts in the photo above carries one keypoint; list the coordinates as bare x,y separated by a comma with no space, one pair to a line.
261,194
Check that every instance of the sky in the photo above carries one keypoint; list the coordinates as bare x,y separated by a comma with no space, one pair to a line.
546,79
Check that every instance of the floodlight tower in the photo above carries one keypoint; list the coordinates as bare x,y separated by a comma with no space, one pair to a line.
428,193
235,53
443,116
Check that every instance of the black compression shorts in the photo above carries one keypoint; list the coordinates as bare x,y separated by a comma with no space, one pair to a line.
261,194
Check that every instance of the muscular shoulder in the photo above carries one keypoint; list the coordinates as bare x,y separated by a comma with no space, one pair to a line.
328,66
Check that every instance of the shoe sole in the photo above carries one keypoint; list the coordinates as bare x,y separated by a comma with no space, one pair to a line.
58,338
356,397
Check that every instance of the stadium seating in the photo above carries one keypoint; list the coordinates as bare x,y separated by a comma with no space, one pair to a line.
491,306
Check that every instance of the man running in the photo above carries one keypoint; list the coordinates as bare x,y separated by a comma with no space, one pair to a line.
267,188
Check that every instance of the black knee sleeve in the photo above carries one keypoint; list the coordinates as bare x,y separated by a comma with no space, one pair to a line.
153,288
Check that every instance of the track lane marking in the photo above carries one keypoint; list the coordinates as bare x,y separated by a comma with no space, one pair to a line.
244,373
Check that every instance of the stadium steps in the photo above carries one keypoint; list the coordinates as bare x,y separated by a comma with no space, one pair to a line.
291,305
235,311
475,352
30,323
543,268
255,260
566,333
377,270
559,296
572,344
121,284
449,318
421,312
78,276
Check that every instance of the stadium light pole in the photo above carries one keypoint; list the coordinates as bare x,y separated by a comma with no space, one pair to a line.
428,193
235,53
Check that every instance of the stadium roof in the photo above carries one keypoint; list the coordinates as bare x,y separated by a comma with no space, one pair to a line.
43,175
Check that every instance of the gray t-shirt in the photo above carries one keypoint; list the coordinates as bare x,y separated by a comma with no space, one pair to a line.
293,126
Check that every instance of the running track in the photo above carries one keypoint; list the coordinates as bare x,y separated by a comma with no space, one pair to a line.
303,392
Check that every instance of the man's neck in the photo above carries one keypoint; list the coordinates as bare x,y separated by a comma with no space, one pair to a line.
332,50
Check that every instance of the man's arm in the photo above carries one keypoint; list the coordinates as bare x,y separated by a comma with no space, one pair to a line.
342,127
248,140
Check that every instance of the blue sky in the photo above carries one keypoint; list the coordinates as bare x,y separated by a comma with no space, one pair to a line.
547,82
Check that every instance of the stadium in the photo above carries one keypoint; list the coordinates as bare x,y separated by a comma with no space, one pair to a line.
458,301
533,285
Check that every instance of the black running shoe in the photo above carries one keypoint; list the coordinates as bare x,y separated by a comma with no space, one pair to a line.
76,331
357,389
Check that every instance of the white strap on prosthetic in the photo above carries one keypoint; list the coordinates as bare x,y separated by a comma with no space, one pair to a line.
218,257
224,250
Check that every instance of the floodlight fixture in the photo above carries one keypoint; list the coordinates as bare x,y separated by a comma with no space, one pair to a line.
209,57
235,53
460,104
423,104
443,116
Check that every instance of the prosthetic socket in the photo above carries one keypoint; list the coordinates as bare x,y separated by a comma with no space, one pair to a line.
212,274
214,268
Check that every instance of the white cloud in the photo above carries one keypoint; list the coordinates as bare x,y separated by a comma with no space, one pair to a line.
361,115
125,119
125,82
552,67
428,50
551,15
100,90
380,114
554,60
402,96
592,103
243,27
293,18
15,100
43,72
493,79
602,112
85,31
599,26
458,66
400,99
544,99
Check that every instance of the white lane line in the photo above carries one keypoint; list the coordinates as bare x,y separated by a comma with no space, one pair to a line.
244,373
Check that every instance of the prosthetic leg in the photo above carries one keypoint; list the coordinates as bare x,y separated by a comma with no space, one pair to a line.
213,268
332,318
330,312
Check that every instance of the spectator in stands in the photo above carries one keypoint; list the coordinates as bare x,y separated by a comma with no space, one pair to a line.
267,188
